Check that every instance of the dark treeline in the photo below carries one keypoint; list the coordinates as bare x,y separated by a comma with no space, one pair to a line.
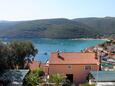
13,54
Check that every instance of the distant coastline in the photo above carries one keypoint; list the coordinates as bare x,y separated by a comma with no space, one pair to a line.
60,28
29,38
106,39
91,39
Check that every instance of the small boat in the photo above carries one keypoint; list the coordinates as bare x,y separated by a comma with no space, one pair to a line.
45,53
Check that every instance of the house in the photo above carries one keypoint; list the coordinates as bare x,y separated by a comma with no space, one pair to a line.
106,66
90,49
74,65
32,64
102,78
13,77
45,67
112,56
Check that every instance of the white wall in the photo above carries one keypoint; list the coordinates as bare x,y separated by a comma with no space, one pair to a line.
15,84
105,84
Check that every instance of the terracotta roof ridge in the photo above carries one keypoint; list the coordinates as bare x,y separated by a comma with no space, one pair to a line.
73,52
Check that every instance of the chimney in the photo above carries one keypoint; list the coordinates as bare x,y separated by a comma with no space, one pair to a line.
59,56
96,55
58,53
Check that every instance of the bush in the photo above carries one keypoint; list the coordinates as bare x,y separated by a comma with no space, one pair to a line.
15,53
33,78
86,84
66,82
57,79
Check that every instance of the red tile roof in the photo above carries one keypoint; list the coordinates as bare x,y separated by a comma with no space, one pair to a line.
34,65
73,58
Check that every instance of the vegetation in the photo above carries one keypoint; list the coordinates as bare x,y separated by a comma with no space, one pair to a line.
33,78
86,84
60,28
48,28
67,82
57,79
103,26
89,77
14,54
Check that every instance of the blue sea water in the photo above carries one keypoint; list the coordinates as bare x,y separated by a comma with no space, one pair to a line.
46,46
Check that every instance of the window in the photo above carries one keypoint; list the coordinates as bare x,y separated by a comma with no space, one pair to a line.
87,67
69,66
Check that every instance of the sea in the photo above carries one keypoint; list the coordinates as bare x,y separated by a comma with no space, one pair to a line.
45,46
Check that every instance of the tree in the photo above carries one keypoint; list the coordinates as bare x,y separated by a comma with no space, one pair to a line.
3,56
22,50
15,53
57,79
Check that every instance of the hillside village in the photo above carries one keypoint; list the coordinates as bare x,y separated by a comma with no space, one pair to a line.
106,53
57,43
94,66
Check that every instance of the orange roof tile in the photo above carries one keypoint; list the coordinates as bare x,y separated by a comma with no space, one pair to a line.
73,58
34,65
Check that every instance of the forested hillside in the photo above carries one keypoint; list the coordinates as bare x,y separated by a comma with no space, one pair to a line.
59,28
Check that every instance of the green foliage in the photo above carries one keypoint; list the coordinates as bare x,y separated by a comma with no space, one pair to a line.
60,28
33,78
57,79
66,82
103,26
3,55
22,50
89,77
39,72
49,28
86,84
15,53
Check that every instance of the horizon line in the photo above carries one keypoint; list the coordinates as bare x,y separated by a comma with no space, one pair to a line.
5,20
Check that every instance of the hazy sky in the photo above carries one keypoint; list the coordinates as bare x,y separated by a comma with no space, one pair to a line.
42,9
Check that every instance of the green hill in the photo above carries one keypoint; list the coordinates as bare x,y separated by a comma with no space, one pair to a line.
104,26
59,28
47,28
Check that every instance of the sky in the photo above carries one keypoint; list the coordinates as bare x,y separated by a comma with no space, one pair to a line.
16,10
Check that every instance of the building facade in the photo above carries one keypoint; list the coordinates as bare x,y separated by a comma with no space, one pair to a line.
75,66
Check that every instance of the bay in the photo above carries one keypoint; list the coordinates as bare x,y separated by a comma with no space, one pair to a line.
46,46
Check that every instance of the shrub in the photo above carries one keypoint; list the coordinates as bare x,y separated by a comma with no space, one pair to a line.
33,78
57,79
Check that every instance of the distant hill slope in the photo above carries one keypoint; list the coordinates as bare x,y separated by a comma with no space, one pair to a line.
47,28
104,26
59,28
